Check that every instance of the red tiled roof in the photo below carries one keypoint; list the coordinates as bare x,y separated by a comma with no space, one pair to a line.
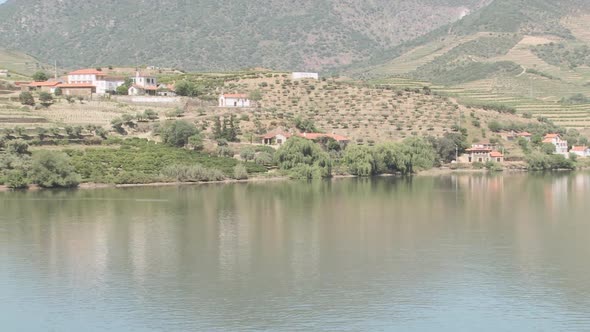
19,83
87,72
235,95
548,140
479,150
579,148
76,85
551,135
496,154
525,134
149,87
43,83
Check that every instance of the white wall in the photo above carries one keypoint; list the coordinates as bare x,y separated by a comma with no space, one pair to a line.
300,75
233,102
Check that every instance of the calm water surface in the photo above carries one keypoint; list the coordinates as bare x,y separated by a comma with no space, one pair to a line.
453,253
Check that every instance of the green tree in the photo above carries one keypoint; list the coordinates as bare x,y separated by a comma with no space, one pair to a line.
304,159
263,158
53,170
17,179
42,133
122,90
255,95
186,89
57,92
360,160
419,155
45,98
40,76
150,114
17,147
495,126
548,148
177,133
305,125
117,124
247,154
26,98
195,142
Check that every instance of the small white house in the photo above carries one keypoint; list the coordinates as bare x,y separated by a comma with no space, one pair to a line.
234,100
560,144
3,72
276,138
581,151
142,80
301,75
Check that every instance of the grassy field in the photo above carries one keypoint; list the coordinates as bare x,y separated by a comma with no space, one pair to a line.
20,65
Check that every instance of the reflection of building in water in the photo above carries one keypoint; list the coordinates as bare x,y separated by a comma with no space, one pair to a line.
581,182
481,184
556,193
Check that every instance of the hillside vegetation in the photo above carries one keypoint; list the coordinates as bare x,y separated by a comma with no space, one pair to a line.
529,55
219,35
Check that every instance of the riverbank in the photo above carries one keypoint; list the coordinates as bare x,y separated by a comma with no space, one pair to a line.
426,173
91,185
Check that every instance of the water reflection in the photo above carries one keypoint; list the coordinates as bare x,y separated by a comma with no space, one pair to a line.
504,251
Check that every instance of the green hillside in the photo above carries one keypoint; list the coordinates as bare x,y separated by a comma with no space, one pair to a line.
531,55
219,35
19,64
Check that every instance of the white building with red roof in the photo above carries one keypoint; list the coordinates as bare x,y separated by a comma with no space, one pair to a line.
143,84
234,100
102,83
581,151
482,153
560,144
48,86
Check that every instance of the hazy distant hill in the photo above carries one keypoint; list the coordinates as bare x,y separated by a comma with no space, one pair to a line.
530,54
220,34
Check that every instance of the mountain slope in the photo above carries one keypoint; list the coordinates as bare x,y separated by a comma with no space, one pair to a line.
221,34
533,55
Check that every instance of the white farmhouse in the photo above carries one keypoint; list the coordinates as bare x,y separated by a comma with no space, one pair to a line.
301,75
103,83
234,100
560,144
581,151
143,85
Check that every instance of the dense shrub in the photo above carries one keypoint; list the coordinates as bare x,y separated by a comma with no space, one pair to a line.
360,160
540,161
16,179
136,156
240,172
297,152
53,170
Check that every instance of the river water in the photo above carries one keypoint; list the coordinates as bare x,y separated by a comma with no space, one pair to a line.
450,253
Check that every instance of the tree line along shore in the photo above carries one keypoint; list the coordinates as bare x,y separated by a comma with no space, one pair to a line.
181,156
